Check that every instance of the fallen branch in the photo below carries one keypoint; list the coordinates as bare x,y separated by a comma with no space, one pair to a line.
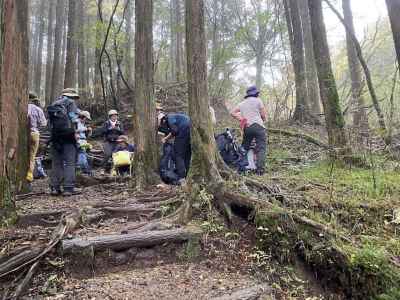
303,136
25,282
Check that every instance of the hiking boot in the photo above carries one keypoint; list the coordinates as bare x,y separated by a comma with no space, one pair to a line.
55,191
260,172
71,192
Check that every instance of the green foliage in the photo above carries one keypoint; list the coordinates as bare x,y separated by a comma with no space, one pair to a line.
371,267
358,183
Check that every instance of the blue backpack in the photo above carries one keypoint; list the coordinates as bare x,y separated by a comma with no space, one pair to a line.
232,154
167,165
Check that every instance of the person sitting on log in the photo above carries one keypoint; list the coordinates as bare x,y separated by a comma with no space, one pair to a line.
251,114
122,156
177,126
112,129
83,132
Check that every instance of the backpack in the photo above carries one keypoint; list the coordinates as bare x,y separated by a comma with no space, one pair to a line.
167,165
60,123
232,154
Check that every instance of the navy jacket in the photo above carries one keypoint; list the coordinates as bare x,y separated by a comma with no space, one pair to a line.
175,123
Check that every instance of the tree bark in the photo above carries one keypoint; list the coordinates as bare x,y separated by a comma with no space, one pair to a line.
314,99
146,157
302,109
50,51
178,40
259,70
203,168
70,63
37,78
128,48
14,63
98,94
82,61
57,50
360,119
393,7
329,94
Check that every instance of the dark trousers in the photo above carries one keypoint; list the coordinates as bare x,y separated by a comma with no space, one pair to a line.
183,152
259,133
108,148
63,161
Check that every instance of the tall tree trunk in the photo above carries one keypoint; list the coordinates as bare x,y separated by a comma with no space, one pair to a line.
60,84
128,60
50,51
360,119
82,62
259,70
172,51
34,37
98,94
314,99
178,40
204,167
70,63
146,156
301,111
14,63
327,85
57,49
37,78
393,7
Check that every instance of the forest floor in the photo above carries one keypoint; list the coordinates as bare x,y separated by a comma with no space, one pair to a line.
361,203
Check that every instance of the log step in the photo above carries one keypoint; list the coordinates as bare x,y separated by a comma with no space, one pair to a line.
126,241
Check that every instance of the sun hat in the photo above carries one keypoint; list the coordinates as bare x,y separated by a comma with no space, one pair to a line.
70,92
112,112
85,114
122,138
252,91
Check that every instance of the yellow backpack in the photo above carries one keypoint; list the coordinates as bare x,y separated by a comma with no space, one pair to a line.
121,158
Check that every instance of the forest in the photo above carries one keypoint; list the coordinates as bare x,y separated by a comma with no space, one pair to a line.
200,149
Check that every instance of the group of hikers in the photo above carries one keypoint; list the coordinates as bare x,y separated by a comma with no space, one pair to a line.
69,131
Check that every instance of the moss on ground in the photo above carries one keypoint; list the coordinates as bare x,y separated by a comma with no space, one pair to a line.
360,204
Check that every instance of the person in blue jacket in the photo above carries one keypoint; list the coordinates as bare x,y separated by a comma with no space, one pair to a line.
177,126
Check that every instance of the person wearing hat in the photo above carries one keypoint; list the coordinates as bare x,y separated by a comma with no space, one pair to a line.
122,156
177,126
83,132
112,129
36,120
251,114
63,116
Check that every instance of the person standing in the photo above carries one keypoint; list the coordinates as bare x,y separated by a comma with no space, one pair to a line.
178,126
36,120
63,118
251,114
112,129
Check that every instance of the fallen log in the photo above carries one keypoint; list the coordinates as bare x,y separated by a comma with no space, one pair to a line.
257,292
126,241
303,136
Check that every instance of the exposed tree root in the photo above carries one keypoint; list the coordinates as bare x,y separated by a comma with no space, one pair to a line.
20,290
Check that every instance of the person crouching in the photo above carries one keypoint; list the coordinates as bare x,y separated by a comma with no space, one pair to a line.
178,126
122,156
